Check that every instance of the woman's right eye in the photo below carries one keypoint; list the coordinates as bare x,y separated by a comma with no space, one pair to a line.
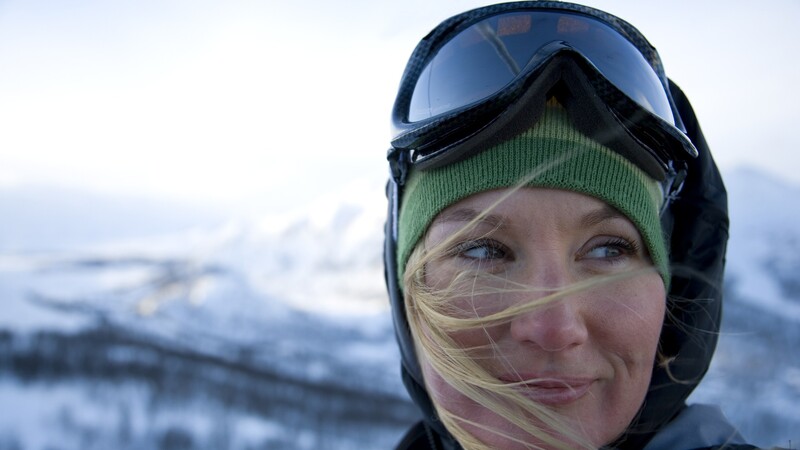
481,250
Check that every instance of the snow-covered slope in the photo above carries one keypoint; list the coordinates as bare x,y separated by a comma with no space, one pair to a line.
755,374
764,252
279,329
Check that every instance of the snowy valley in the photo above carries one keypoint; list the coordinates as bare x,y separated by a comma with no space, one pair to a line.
275,333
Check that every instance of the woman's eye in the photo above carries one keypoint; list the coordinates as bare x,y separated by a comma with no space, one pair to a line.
604,252
613,249
480,250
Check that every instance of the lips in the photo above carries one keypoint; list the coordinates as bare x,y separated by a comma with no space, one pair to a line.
551,391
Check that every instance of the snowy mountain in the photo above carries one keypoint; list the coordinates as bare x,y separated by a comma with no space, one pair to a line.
180,330
755,374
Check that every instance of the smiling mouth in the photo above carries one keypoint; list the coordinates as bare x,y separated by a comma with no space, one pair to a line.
552,391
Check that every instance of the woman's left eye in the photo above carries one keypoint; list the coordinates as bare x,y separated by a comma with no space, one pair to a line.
611,250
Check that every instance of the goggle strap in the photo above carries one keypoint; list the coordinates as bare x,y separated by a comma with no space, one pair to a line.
399,162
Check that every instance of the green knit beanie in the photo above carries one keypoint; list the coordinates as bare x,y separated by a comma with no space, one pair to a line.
572,161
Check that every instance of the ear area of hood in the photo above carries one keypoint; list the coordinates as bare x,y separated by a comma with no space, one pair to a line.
698,243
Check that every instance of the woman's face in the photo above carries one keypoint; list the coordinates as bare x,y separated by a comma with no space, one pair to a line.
593,350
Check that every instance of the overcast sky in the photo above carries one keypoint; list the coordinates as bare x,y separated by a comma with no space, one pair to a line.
249,102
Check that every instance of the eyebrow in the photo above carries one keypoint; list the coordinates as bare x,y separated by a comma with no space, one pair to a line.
600,215
468,215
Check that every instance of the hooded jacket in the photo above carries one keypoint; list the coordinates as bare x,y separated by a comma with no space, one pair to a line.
697,226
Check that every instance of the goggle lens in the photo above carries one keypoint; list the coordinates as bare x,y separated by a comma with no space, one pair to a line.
484,58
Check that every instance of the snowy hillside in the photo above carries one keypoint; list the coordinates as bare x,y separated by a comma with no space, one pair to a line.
755,374
275,334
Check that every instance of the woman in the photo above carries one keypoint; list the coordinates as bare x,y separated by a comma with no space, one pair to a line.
555,240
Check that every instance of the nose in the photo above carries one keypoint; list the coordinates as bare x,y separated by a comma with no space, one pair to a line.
558,326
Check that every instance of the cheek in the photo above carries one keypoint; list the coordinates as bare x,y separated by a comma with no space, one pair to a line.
626,332
629,335
444,395
469,297
438,275
479,342
632,312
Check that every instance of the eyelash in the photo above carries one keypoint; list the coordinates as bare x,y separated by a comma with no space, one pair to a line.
497,252
625,246
491,245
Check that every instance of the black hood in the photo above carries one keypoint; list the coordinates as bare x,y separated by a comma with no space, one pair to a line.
697,223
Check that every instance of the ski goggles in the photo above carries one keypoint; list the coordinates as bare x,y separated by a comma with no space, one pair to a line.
481,70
